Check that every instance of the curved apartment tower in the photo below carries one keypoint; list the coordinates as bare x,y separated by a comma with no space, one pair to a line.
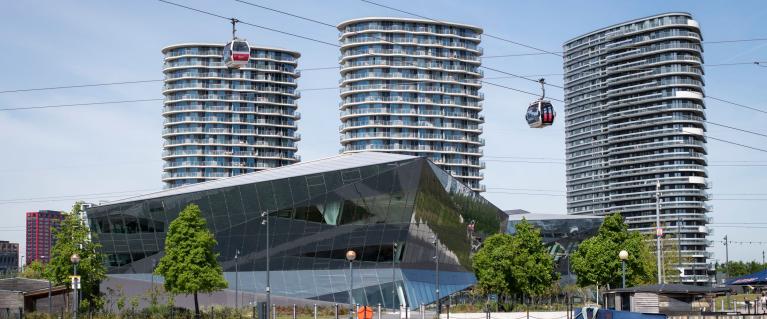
221,122
635,115
411,87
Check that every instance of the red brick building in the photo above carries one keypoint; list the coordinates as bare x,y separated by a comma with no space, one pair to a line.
39,234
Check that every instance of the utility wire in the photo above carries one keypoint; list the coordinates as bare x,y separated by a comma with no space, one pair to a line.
250,24
78,86
738,144
736,40
486,34
736,104
384,40
737,129
76,104
758,63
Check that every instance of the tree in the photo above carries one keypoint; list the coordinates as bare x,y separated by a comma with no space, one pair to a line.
509,264
33,270
533,266
596,261
73,238
740,268
189,265
492,265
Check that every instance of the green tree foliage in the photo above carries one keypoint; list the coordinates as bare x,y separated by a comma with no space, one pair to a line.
596,261
492,265
740,268
33,270
73,238
509,264
533,265
189,265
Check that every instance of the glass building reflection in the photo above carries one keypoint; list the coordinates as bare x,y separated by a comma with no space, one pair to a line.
385,207
562,234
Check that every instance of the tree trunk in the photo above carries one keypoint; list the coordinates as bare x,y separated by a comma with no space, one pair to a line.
196,307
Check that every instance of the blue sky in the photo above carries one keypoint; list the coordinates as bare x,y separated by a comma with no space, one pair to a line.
116,148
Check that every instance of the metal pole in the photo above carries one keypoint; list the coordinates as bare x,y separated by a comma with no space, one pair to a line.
268,284
393,275
351,286
658,230
236,280
74,286
436,269
623,265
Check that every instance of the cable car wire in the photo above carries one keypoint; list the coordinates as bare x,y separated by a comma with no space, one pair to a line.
736,104
76,104
79,86
486,34
738,144
381,39
250,24
737,129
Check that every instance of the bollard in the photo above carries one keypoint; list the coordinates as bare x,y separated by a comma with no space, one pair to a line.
274,311
294,311
423,311
315,311
336,311
447,310
379,311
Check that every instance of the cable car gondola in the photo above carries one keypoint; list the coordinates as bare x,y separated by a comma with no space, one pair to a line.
237,51
540,113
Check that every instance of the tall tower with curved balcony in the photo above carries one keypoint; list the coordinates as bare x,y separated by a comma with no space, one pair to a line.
635,116
221,122
411,87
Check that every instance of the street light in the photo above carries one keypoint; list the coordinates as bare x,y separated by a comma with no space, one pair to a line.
623,255
237,280
351,256
75,259
393,275
265,221
436,269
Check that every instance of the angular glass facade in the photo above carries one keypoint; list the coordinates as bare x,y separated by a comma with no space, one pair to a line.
366,202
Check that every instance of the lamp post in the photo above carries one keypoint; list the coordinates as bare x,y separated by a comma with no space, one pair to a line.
436,269
623,255
351,256
393,277
75,259
265,221
236,280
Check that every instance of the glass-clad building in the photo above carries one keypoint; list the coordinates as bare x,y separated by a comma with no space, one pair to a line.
562,234
386,207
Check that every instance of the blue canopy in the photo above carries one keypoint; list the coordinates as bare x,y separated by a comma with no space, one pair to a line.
757,278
